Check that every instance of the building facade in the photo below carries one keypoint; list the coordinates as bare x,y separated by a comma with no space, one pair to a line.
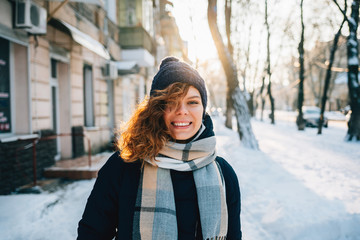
69,69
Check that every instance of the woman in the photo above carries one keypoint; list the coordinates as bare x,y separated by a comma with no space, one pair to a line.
166,182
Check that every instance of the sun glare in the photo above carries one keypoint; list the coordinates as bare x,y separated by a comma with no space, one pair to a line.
191,18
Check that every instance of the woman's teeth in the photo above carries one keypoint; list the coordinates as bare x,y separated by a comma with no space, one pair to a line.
181,124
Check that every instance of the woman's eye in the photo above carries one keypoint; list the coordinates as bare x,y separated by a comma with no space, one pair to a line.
193,102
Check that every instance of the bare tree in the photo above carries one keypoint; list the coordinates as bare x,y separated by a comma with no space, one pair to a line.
229,101
328,73
244,13
353,66
353,70
268,68
252,102
246,134
315,73
262,97
300,120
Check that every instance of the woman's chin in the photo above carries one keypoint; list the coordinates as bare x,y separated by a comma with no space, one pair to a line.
184,139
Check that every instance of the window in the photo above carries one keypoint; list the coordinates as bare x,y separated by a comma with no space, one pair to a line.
53,68
5,103
88,97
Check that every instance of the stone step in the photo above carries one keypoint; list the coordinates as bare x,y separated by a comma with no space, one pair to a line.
77,169
73,174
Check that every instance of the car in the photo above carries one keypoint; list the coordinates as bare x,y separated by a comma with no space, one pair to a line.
311,115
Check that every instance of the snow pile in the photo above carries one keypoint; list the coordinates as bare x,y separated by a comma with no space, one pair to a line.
299,186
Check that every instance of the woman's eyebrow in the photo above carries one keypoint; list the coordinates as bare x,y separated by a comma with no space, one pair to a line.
195,96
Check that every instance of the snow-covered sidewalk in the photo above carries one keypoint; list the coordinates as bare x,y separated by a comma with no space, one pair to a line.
299,186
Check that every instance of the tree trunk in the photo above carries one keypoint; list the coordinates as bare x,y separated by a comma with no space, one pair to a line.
268,70
318,95
300,120
262,99
246,134
328,77
272,103
250,103
229,110
229,102
353,81
228,26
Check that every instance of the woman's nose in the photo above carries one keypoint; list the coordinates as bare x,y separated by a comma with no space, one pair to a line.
182,109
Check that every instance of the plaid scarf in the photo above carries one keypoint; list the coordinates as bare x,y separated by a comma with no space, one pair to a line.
155,212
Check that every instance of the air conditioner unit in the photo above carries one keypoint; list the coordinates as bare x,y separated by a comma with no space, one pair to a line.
111,70
30,16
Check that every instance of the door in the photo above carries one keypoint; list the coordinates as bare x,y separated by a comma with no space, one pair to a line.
54,85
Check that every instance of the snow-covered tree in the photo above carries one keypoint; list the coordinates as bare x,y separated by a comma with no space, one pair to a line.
353,67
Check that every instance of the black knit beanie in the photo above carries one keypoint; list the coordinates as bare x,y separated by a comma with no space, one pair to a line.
171,71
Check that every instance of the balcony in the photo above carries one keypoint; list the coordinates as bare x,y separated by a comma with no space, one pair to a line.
84,10
135,38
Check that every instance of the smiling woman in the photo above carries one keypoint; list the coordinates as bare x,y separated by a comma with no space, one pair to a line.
184,119
166,181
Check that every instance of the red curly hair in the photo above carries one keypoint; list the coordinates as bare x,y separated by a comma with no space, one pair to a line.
143,136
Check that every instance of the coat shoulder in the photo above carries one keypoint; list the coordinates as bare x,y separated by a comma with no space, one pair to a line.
226,168
230,177
116,164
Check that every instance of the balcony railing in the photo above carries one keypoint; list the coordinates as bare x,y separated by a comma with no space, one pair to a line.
85,11
136,37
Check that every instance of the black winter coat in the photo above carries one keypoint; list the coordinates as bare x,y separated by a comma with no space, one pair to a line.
110,207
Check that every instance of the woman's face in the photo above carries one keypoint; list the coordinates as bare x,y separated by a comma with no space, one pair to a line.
185,120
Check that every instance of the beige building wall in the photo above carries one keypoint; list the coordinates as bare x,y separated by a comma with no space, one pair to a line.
40,84
72,102
65,121
100,134
21,89
41,55
128,90
77,93
118,98
6,16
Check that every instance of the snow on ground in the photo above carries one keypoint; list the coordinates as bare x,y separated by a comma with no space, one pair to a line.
44,216
299,186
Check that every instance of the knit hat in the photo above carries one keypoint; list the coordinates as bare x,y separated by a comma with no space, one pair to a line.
171,71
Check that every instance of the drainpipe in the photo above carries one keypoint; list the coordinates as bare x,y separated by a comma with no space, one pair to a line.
29,89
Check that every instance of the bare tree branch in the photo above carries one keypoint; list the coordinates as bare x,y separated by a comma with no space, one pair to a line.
342,11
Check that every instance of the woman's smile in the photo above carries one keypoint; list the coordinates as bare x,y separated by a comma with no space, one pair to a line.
181,124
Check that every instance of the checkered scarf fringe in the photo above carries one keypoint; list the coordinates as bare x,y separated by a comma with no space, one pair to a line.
155,212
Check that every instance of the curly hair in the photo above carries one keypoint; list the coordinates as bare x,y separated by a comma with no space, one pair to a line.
143,136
